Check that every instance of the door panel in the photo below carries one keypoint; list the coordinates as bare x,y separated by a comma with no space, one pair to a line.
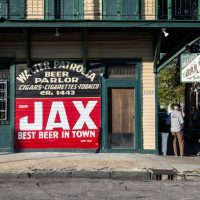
121,117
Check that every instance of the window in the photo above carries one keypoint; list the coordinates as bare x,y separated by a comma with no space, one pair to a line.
3,100
3,8
121,9
122,71
13,9
64,9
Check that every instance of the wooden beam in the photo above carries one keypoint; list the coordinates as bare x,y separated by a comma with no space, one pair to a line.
157,51
85,48
27,45
139,24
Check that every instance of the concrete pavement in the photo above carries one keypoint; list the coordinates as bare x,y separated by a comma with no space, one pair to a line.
94,165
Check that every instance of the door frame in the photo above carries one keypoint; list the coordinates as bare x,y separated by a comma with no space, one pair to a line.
122,83
8,127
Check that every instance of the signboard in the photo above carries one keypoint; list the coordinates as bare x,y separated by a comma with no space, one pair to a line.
56,79
190,68
57,106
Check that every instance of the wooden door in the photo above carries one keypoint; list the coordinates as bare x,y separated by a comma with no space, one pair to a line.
121,117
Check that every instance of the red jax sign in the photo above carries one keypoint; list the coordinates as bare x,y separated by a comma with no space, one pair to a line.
57,106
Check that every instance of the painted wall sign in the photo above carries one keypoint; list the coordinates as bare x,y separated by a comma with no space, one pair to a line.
57,106
190,68
56,79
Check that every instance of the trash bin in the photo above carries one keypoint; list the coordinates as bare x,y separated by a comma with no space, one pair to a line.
164,143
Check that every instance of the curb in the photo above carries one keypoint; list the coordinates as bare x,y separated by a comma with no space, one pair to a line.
120,175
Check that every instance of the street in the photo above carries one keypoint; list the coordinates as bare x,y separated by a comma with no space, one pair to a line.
97,189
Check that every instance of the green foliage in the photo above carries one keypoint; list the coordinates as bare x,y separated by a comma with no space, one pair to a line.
170,89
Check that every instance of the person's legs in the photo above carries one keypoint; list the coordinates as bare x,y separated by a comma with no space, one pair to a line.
181,143
175,144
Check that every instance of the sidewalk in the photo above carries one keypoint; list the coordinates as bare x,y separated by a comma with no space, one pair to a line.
91,165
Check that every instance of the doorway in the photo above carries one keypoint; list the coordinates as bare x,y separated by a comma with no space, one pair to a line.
6,107
121,107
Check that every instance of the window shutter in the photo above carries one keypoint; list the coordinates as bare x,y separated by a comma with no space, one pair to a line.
71,10
78,9
3,8
110,9
15,9
64,9
129,9
67,9
50,9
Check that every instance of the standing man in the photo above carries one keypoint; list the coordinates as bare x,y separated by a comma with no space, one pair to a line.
177,130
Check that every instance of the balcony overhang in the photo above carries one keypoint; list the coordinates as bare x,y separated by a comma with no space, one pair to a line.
174,54
99,24
179,44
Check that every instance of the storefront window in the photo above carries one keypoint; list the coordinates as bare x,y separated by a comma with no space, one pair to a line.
3,99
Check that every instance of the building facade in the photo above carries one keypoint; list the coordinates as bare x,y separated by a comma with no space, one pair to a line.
82,74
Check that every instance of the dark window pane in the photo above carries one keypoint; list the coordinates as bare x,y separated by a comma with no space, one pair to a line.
2,94
57,9
2,85
162,9
2,115
2,105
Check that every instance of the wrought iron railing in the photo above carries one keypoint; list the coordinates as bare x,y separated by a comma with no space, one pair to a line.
178,9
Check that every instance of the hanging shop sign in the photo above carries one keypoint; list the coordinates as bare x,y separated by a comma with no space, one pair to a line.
57,106
190,67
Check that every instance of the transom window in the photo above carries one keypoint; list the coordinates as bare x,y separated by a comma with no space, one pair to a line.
122,71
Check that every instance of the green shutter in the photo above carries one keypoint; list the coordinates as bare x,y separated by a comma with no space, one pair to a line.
198,5
3,8
79,9
23,9
64,9
120,9
71,10
50,9
110,8
15,9
67,9
129,9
